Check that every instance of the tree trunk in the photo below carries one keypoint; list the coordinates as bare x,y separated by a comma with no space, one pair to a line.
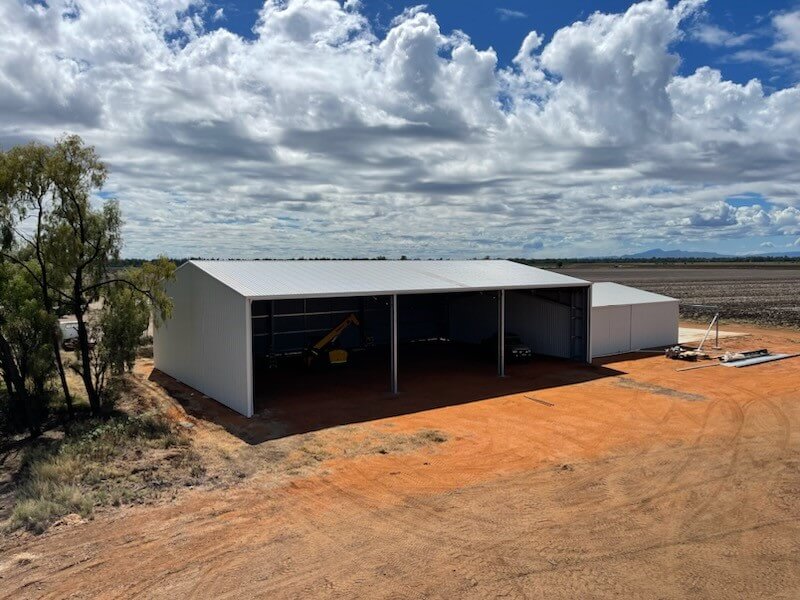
9,368
86,362
20,402
83,344
62,373
48,306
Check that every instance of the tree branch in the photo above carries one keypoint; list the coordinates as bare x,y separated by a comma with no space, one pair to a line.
127,282
31,272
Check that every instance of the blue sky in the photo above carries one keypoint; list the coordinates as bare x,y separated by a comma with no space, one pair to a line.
451,129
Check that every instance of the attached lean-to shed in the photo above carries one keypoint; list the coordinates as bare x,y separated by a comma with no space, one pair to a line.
626,319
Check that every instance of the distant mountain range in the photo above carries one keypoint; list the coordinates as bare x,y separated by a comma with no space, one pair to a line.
659,253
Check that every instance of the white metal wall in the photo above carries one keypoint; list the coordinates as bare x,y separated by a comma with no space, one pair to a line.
542,324
611,330
630,327
206,343
654,324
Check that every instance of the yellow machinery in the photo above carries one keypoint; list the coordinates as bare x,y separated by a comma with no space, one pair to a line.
335,355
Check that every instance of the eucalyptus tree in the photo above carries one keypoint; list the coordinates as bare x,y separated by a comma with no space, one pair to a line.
81,243
27,197
75,239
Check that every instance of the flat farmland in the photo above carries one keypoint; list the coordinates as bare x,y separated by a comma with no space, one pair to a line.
765,295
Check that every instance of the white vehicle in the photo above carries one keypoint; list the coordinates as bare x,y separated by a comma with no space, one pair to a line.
69,333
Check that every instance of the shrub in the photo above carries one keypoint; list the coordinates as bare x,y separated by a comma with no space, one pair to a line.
99,463
37,513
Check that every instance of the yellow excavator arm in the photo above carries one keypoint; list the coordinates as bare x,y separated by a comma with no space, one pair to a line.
330,337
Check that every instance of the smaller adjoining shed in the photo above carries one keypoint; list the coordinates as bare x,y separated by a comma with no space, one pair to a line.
626,319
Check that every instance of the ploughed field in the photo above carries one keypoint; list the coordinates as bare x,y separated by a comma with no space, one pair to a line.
765,295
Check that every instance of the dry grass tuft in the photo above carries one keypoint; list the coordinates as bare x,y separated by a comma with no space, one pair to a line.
120,460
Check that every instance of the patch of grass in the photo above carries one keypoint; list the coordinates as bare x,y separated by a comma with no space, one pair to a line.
120,460
431,435
404,442
36,513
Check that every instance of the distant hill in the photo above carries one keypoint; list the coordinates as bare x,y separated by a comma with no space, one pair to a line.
678,254
659,253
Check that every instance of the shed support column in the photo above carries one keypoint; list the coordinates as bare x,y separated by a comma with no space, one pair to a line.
393,343
501,333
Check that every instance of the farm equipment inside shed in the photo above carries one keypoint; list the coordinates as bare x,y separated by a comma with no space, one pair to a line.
325,345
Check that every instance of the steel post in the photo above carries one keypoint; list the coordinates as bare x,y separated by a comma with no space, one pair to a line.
501,333
393,343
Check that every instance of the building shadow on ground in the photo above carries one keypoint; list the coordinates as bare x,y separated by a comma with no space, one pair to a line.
296,399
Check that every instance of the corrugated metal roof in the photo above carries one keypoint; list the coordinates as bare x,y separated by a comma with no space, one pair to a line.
296,278
613,294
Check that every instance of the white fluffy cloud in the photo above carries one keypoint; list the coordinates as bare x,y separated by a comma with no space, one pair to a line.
322,136
788,27
714,35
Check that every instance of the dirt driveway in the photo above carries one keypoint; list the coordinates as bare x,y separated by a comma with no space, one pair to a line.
643,482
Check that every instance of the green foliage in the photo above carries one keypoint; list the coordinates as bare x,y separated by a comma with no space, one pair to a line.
123,321
70,255
27,363
129,299
26,322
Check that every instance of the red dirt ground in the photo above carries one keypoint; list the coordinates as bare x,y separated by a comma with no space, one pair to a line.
626,479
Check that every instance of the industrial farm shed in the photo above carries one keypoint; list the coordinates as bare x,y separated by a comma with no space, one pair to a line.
236,322
626,319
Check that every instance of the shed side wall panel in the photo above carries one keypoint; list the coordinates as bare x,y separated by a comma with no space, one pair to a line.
542,324
204,344
611,330
654,325
600,328
620,329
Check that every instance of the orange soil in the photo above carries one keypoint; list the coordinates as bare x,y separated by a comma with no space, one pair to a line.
627,479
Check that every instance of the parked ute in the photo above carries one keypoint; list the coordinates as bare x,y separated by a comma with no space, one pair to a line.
516,349
69,334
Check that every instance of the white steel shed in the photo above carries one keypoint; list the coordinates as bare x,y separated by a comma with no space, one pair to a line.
232,318
626,319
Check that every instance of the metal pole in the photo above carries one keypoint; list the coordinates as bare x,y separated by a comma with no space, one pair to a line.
501,333
716,338
705,337
393,343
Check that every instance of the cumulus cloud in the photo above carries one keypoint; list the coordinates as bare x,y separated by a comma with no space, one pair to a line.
787,26
719,214
324,136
